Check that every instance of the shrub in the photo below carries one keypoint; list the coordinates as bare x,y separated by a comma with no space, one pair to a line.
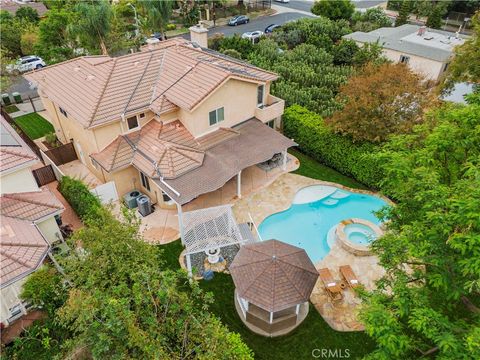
220,43
316,139
51,139
171,26
86,205
334,9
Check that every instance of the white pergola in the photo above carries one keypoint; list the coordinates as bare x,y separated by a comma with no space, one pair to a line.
208,229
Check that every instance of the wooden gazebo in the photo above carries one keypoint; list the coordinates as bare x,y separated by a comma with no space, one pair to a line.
273,283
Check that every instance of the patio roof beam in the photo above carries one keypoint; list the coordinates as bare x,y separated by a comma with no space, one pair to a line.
239,184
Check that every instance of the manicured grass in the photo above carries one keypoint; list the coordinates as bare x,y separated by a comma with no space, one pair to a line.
34,125
313,169
11,109
313,333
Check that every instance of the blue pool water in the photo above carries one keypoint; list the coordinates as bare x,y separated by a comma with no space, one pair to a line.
307,224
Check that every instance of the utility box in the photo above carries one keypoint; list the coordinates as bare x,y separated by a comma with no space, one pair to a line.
6,99
17,97
144,205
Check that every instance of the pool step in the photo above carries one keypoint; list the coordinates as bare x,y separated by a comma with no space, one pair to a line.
330,202
339,194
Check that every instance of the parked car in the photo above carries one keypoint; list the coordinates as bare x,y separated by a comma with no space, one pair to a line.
283,1
158,35
238,20
252,35
27,63
269,29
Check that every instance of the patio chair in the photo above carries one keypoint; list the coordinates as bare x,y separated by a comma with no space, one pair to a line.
331,286
349,276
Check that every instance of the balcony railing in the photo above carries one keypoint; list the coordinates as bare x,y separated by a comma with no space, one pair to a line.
272,109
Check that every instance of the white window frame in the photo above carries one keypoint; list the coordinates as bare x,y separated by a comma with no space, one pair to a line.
261,104
144,181
133,128
216,111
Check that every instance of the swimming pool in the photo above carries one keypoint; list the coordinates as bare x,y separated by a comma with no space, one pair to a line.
316,210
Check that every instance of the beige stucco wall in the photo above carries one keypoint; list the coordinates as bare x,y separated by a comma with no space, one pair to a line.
18,181
431,69
9,298
50,230
239,99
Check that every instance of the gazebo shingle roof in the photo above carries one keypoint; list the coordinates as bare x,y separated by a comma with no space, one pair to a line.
273,275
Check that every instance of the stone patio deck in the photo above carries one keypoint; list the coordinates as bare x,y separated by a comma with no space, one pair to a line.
161,227
77,170
342,315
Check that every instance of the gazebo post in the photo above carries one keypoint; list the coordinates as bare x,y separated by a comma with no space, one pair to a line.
189,265
297,309
239,184
271,317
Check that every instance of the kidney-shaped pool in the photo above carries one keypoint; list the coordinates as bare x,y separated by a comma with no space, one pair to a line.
315,211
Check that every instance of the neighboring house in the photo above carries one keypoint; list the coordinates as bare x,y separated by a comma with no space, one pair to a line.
174,121
13,5
427,52
28,225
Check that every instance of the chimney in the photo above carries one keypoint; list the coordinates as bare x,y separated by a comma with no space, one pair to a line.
199,35
422,30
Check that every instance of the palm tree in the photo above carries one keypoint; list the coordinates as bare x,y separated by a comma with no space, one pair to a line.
92,24
158,14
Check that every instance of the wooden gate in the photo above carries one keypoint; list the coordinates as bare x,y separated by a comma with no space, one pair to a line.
62,154
44,175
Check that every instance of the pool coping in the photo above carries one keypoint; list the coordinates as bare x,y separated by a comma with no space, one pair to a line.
259,219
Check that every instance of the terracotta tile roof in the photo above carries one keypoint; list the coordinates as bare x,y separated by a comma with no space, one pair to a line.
174,73
22,249
273,275
12,6
31,206
13,150
254,143
168,148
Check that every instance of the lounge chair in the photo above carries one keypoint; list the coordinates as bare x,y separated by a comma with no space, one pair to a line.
349,276
333,287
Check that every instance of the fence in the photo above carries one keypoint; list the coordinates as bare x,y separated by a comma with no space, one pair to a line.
58,173
44,175
20,132
62,154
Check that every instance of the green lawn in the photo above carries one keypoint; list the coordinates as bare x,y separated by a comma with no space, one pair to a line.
313,333
11,109
34,125
313,169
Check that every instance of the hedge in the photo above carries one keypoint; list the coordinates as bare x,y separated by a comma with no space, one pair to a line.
83,202
316,139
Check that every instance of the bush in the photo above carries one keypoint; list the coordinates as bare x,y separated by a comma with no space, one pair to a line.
220,43
86,205
171,26
316,139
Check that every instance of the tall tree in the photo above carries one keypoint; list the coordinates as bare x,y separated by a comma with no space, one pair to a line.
403,14
428,302
379,101
28,14
158,14
92,24
466,63
334,9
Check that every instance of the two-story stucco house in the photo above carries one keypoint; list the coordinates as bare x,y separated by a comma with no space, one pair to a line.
175,120
426,51
28,226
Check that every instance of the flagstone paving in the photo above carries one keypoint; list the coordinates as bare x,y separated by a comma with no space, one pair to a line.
278,196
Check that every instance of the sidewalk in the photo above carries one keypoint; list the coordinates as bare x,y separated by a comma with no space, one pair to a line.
27,108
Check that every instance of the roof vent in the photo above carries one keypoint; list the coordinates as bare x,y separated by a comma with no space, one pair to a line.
76,68
90,77
428,38
136,63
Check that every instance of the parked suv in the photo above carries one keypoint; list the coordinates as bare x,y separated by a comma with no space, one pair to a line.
238,20
27,63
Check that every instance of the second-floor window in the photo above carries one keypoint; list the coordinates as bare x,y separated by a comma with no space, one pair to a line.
216,116
62,111
260,94
404,59
132,122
